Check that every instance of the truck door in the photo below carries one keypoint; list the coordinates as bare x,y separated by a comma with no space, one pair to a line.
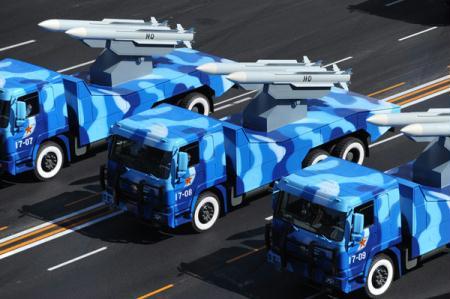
186,187
27,136
359,252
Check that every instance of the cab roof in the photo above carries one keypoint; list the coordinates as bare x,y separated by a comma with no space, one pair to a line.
18,77
337,184
166,127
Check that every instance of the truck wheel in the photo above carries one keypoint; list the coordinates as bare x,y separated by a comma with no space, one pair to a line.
196,102
49,161
350,149
381,275
314,157
206,212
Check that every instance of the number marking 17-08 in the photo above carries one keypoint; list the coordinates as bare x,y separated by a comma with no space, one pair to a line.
184,193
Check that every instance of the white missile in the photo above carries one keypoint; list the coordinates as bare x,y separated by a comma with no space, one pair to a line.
62,25
406,118
428,129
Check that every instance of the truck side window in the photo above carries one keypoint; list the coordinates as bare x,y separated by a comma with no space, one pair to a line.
193,151
31,102
368,212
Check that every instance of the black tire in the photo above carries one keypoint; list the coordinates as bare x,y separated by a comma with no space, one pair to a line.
351,149
315,156
206,211
380,276
49,161
196,102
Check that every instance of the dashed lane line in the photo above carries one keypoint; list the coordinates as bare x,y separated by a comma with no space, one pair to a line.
417,33
77,259
18,45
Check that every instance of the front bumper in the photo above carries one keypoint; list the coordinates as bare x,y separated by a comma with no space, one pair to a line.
145,211
313,273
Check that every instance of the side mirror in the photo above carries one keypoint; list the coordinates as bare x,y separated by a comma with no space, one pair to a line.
21,113
358,227
183,161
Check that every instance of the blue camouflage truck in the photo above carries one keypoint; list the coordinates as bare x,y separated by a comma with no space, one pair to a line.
171,166
47,118
348,227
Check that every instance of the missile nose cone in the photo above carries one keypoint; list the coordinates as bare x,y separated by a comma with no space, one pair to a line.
52,24
238,77
210,68
378,119
414,130
79,32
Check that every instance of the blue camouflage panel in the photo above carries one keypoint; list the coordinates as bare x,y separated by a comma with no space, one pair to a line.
71,107
336,187
233,159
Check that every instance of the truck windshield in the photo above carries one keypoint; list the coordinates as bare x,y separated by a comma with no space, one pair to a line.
311,217
141,157
4,113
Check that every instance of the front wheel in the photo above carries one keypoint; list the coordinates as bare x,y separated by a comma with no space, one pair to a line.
49,161
196,102
381,275
351,149
207,211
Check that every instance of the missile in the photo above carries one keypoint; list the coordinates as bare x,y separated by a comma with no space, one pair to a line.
61,25
138,36
428,129
406,118
217,68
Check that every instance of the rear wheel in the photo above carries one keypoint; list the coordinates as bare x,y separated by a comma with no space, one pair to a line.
314,157
381,275
196,102
49,161
351,149
206,212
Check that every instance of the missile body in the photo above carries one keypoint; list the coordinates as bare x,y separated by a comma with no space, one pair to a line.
139,36
298,79
406,118
259,66
428,129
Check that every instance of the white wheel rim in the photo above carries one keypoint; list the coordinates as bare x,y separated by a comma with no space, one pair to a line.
200,101
49,174
379,291
319,158
355,146
210,223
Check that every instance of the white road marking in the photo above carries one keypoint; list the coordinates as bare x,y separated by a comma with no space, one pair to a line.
385,140
233,98
269,218
77,259
63,233
51,222
417,33
18,45
337,61
243,100
426,98
393,3
223,107
76,66
417,87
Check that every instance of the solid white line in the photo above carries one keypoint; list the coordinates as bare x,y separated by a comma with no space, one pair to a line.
51,222
76,66
223,107
394,2
233,98
243,100
426,98
341,60
385,140
417,33
18,45
269,218
77,259
416,88
63,233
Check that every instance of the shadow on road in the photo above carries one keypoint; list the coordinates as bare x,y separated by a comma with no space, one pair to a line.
423,12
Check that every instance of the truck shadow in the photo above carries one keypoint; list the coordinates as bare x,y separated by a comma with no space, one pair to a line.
426,12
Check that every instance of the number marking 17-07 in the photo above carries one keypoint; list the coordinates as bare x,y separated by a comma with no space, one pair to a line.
24,142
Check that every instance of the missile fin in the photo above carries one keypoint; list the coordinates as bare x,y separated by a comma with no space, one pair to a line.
306,60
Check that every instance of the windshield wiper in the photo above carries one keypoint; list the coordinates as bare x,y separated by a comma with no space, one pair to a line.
324,237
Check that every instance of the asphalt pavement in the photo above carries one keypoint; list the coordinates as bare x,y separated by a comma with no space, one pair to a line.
390,49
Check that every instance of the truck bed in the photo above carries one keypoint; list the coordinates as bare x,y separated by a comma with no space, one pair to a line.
425,211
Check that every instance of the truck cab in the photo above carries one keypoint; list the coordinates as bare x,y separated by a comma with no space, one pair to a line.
160,161
28,95
332,224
